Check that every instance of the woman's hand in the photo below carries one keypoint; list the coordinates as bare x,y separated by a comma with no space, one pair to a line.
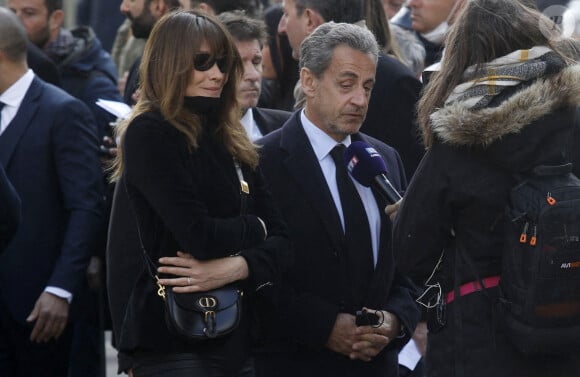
193,275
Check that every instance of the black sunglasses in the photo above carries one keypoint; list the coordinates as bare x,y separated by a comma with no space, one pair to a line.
203,62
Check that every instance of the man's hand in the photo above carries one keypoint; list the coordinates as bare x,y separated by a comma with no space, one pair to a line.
341,338
94,273
51,315
371,340
420,337
391,209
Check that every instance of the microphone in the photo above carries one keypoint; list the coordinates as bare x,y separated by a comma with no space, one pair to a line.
367,166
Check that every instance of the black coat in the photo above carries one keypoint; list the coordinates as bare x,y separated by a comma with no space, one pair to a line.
188,201
463,185
311,295
391,113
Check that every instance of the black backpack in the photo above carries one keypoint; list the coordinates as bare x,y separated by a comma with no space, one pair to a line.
539,302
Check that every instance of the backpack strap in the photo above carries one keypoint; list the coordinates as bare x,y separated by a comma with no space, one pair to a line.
546,170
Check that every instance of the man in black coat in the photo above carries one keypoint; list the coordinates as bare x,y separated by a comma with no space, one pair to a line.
311,330
391,113
249,36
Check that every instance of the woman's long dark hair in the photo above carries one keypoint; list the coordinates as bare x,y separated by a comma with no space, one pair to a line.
166,69
483,31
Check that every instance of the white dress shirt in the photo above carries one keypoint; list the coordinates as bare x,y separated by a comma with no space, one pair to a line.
322,144
13,97
250,125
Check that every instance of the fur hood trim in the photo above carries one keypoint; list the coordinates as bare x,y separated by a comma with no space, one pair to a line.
456,124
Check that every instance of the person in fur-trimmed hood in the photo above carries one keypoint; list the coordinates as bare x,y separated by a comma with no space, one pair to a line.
504,102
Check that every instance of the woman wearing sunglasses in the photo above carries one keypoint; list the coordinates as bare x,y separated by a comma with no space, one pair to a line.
190,205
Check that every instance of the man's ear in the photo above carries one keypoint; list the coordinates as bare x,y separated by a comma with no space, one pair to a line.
308,82
313,19
55,20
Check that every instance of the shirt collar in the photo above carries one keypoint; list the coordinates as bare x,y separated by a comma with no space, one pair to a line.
14,95
321,142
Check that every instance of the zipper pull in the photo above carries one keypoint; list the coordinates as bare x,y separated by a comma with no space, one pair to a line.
550,199
534,239
524,234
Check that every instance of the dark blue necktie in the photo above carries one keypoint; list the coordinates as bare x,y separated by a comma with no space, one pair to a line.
357,241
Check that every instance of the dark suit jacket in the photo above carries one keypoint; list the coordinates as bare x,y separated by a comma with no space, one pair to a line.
49,152
311,295
269,120
9,210
391,113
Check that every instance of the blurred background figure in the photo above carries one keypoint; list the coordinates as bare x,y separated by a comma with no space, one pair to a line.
249,35
430,20
103,17
280,72
392,7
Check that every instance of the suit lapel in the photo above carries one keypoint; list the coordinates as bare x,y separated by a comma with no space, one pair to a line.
17,127
303,166
259,119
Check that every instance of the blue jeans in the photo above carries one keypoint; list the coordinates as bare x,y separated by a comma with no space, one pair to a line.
186,365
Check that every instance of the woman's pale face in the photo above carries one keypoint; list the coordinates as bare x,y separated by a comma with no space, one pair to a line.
208,82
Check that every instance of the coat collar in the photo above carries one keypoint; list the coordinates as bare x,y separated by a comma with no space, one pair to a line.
18,126
455,124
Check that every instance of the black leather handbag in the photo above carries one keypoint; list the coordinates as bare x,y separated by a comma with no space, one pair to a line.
203,315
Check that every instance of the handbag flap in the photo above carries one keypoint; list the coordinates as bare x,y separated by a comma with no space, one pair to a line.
213,300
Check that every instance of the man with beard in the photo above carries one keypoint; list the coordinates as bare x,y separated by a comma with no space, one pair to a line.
86,70
143,14
249,36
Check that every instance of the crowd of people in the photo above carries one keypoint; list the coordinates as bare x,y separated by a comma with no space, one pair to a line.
236,168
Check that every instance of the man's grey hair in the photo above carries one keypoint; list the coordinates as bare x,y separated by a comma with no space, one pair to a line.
13,38
317,49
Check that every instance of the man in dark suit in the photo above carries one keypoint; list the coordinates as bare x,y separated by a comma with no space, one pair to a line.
342,263
9,210
391,113
249,36
48,147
